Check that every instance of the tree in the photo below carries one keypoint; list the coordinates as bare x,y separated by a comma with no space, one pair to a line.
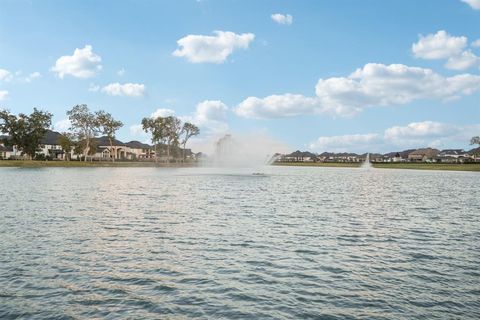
108,126
156,127
475,140
84,124
81,148
188,130
67,142
173,128
26,131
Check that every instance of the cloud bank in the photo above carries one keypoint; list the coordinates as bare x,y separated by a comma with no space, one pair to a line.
413,135
371,86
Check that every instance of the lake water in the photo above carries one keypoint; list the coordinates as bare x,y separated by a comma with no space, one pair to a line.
294,243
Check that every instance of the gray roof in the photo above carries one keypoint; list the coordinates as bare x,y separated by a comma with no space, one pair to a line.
138,145
6,148
300,154
104,141
474,151
51,138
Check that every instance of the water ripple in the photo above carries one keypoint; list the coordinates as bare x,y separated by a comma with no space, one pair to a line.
299,243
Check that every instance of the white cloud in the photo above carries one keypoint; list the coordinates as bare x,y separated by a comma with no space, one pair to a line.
127,89
62,125
93,87
121,72
3,95
212,49
417,130
444,46
430,133
211,116
475,4
32,76
463,61
372,85
278,106
438,46
162,112
476,43
137,130
347,143
5,75
211,110
413,135
282,18
82,64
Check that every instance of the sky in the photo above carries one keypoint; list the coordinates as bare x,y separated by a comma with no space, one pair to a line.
330,75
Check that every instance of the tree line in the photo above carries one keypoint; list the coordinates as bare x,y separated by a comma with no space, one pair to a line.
26,131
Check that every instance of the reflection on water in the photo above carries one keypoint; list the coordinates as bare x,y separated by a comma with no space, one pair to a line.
202,243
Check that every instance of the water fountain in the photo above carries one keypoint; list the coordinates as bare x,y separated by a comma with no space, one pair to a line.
366,164
252,154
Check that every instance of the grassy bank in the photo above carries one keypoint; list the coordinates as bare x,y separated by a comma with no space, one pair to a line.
81,164
415,166
430,166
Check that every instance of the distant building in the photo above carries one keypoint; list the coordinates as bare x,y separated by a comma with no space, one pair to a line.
299,156
453,156
423,155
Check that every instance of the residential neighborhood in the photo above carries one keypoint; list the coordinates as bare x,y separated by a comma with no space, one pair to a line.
50,149
29,137
425,155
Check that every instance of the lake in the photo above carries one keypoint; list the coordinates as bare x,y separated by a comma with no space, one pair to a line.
289,243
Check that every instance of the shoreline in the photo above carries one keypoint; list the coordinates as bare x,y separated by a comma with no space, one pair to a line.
475,167
88,164
472,167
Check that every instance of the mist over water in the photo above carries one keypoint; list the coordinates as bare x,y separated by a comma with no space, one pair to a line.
242,151
298,243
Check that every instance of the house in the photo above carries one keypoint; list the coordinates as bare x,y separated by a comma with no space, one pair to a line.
375,157
423,155
326,156
6,152
453,156
396,157
140,150
347,157
475,154
105,151
299,156
50,146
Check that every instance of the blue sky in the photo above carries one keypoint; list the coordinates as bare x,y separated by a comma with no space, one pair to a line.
322,75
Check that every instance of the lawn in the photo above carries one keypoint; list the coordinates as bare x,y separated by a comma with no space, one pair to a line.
416,166
78,164
430,166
